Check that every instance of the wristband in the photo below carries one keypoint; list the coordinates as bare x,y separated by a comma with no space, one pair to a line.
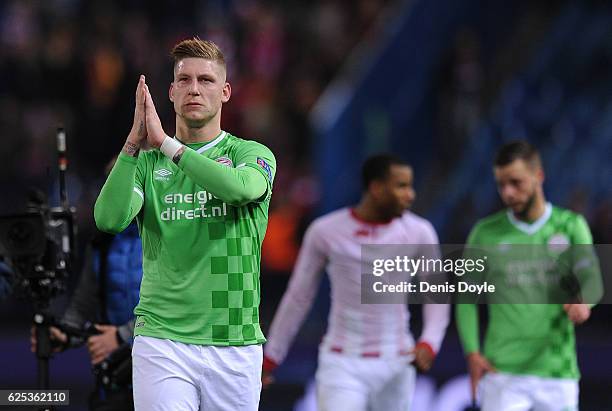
426,346
169,147
268,364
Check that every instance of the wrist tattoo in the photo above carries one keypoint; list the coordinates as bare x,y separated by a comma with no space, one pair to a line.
178,155
141,128
131,149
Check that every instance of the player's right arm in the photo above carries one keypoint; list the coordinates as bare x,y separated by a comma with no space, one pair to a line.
297,300
467,319
122,197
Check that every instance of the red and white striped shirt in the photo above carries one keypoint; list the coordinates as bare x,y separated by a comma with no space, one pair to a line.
333,242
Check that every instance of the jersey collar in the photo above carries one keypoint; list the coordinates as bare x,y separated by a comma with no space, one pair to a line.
370,223
533,227
211,144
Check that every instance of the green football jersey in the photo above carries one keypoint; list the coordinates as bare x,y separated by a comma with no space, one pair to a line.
526,339
201,255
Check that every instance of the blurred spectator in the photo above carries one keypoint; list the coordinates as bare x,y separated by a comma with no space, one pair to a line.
6,285
467,76
69,62
460,97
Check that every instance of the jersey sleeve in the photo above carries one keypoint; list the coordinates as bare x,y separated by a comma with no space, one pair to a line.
435,321
430,237
429,246
236,186
581,233
122,195
466,315
435,316
258,157
298,297
139,178
585,264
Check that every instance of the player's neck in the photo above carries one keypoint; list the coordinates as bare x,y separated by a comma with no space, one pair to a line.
535,211
367,213
203,134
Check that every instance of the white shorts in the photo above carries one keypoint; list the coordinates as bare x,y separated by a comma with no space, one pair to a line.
507,392
172,376
353,383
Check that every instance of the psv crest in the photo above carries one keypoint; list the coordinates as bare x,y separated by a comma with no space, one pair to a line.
226,161
558,243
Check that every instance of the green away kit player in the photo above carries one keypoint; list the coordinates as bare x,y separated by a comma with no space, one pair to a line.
201,201
529,355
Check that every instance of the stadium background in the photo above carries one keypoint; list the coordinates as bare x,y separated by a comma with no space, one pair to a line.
323,83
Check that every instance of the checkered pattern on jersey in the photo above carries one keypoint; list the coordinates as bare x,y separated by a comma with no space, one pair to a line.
236,283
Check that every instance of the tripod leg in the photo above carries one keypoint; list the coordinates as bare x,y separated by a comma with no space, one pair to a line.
43,352
43,349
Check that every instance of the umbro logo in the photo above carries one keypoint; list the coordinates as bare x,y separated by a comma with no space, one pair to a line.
162,174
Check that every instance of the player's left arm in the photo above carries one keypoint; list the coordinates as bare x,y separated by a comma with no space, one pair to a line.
435,321
235,186
436,317
585,267
250,181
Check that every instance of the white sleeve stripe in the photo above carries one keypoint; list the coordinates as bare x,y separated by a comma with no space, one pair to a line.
139,192
241,165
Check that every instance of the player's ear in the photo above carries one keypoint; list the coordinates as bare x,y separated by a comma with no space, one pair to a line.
375,189
171,92
541,175
226,92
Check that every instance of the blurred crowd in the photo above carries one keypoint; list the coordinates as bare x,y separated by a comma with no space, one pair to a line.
77,62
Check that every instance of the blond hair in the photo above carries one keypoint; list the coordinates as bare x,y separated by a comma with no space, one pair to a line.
196,47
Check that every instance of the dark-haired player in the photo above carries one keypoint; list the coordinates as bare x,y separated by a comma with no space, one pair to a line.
529,355
365,356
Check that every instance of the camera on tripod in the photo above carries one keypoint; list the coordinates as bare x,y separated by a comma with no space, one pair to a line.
38,246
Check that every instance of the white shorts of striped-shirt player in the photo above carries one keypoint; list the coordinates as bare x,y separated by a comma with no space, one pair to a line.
355,383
